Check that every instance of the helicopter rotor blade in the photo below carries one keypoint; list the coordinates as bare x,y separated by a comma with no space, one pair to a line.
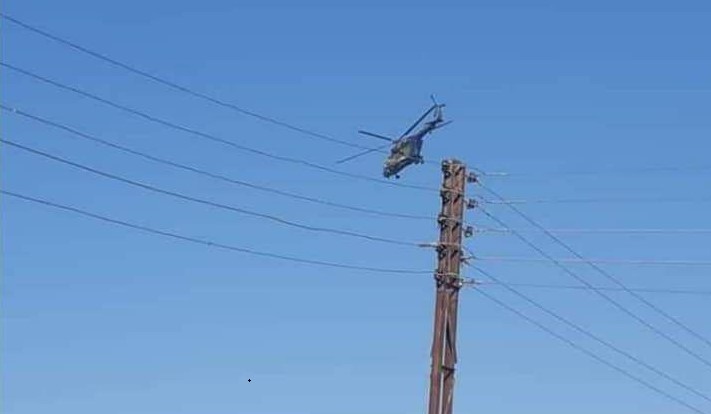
360,154
376,136
432,108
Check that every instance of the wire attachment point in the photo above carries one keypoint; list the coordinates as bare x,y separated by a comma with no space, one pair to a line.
468,231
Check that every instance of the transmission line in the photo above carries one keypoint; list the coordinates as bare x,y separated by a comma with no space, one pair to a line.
598,200
274,121
589,353
615,171
192,92
181,88
167,162
207,202
597,231
608,276
598,261
207,242
592,335
615,303
610,289
212,137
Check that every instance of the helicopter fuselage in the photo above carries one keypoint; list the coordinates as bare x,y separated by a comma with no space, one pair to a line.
405,152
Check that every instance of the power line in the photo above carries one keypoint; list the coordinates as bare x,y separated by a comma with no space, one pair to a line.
280,257
180,88
207,202
615,303
599,200
208,242
305,131
204,96
194,93
598,261
212,137
592,335
611,289
608,276
206,173
197,94
588,352
243,111
597,231
614,171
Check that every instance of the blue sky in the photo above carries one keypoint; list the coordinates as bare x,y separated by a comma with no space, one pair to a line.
98,318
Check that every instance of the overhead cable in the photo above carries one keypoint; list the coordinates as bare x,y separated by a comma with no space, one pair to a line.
206,202
205,173
180,88
596,231
608,276
205,242
591,335
192,92
599,200
610,289
213,137
547,175
598,261
589,353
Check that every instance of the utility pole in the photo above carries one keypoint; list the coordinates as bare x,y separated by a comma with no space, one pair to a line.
448,281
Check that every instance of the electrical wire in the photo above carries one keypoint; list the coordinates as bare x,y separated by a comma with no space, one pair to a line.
587,352
599,200
612,301
207,242
616,171
598,261
591,335
193,92
207,202
472,256
608,276
292,127
480,229
319,263
212,137
195,170
180,88
611,289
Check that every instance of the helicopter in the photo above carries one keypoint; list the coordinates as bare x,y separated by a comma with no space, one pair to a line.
406,150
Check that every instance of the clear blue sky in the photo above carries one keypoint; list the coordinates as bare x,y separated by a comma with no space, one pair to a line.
97,318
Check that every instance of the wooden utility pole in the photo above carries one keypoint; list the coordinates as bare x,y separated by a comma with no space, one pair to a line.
449,254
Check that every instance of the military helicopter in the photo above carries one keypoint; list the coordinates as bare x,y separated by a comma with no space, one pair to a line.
406,149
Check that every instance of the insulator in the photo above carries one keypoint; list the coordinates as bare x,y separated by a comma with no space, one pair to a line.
442,219
468,231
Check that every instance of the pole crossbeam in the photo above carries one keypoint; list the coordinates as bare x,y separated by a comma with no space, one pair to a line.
448,283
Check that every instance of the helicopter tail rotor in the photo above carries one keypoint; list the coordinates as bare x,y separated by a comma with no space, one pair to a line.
442,125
